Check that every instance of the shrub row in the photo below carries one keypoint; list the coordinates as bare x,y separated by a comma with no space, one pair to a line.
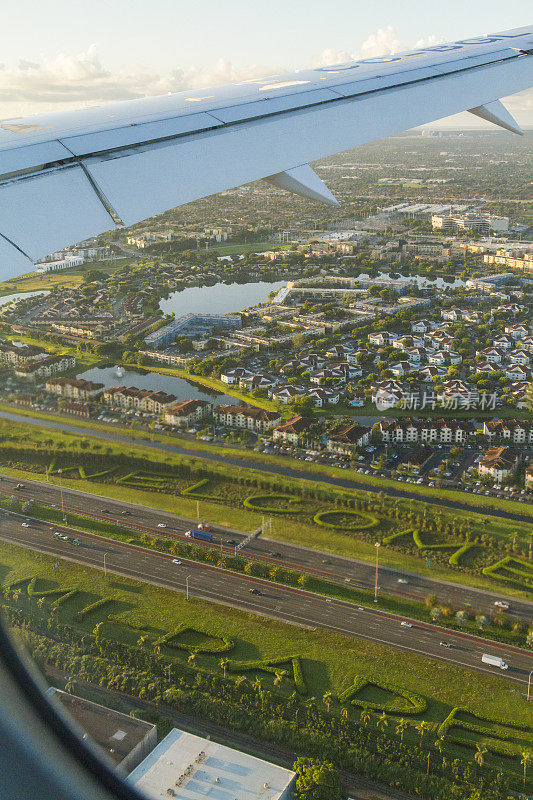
456,557
367,520
523,579
272,665
255,503
415,703
92,607
64,598
397,535
224,645
193,491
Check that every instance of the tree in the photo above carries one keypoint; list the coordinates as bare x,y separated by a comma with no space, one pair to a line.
479,756
327,698
317,779
365,716
422,728
223,663
527,755
69,685
382,722
400,728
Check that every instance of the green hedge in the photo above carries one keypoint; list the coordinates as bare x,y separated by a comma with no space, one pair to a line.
272,665
420,544
34,592
224,645
92,607
254,503
367,520
415,703
523,578
397,535
64,598
192,491
456,557
496,741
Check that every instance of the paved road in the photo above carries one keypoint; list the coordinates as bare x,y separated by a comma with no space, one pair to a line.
275,469
287,604
337,568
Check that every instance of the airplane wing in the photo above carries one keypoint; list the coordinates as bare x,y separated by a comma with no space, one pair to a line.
70,175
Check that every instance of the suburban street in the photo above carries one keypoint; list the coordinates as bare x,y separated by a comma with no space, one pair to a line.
332,567
287,604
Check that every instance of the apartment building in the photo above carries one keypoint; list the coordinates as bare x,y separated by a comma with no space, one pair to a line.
139,399
499,463
517,431
249,417
410,431
45,368
349,438
74,388
188,412
293,431
13,354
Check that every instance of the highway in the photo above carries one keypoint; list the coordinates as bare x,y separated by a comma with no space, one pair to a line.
286,604
332,567
276,469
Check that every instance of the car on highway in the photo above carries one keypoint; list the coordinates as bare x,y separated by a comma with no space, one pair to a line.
444,644
204,526
76,542
25,524
161,525
126,512
502,605
176,561
20,486
405,624
105,511
255,591
403,580
232,542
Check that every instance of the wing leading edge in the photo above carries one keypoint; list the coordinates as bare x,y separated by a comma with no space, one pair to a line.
70,175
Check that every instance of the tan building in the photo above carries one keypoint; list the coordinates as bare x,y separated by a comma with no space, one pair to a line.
45,368
498,463
249,417
293,431
348,438
187,412
74,388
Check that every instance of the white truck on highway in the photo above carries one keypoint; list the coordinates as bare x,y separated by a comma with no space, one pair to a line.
494,661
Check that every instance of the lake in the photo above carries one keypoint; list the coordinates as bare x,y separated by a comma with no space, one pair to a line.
9,298
179,387
439,283
222,298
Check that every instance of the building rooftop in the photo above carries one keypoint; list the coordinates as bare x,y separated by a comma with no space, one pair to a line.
192,768
115,733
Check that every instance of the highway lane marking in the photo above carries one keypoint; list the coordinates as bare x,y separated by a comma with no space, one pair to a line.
225,549
347,607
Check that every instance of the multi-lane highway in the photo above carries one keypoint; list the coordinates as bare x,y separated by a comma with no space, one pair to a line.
332,567
287,604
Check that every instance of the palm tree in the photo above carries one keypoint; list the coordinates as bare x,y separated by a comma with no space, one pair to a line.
400,728
382,722
69,685
365,716
422,728
223,663
191,659
140,641
40,602
344,713
439,744
479,756
157,649
527,755
327,698
257,684
280,675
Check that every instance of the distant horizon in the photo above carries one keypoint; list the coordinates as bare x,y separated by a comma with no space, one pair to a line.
122,52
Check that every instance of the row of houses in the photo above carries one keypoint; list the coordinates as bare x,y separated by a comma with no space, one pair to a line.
405,430
45,367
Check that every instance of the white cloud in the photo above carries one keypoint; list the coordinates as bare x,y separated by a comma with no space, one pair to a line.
70,81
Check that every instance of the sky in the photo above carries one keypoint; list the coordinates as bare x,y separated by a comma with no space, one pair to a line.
59,54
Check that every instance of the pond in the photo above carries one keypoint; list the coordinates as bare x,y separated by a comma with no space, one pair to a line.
439,283
222,298
182,389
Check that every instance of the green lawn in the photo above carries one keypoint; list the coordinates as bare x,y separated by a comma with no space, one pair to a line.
67,278
226,507
330,662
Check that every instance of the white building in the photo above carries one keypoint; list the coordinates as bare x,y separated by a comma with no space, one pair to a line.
64,263
192,768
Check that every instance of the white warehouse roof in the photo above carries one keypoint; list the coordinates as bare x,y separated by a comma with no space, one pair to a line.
193,768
